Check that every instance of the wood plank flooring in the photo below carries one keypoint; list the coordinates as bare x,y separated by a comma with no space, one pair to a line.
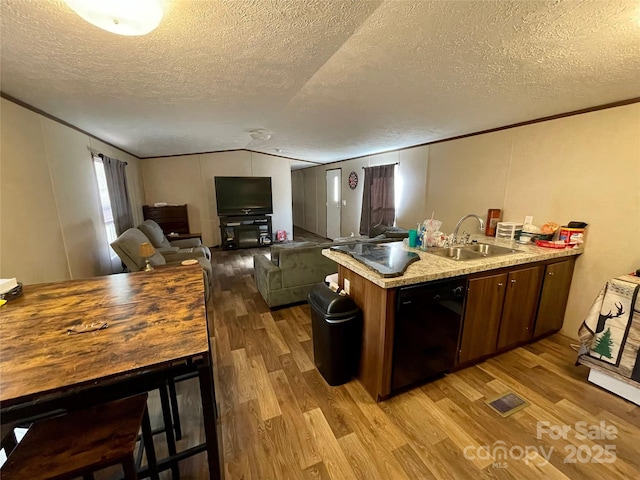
280,420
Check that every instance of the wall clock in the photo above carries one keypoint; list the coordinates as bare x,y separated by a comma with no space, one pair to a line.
353,180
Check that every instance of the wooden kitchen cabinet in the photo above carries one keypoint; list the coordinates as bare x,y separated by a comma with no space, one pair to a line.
500,307
519,310
483,312
553,298
500,312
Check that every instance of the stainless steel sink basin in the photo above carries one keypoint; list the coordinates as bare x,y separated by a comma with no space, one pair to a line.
472,252
487,250
456,253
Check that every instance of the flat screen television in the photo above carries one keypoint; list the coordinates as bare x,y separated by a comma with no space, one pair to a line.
243,195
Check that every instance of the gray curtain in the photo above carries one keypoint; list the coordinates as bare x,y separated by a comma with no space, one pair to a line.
378,198
118,193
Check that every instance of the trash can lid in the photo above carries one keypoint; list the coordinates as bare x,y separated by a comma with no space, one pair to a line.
331,303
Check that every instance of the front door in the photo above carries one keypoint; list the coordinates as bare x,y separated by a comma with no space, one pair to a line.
334,200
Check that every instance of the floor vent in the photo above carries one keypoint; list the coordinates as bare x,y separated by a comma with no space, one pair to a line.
507,403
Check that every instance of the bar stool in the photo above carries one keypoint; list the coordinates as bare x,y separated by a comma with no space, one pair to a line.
84,441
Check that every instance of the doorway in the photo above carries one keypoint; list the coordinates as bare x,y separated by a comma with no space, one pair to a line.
334,203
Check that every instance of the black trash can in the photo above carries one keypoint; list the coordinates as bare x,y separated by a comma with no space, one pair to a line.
336,322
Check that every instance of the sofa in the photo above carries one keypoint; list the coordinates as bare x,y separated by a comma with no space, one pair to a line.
291,273
127,247
294,268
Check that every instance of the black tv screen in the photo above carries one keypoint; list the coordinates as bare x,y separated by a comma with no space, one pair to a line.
243,195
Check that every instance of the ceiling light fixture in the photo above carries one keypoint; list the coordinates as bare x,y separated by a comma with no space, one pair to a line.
124,17
260,134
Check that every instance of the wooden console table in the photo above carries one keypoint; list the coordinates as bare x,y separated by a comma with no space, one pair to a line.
157,329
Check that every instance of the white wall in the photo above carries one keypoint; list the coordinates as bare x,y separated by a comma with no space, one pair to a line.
51,224
189,179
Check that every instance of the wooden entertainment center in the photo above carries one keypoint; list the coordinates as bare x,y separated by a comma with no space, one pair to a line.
247,231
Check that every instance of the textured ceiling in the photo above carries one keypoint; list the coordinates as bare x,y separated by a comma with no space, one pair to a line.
330,79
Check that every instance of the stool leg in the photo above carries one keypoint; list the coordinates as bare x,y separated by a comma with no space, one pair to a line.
129,468
9,442
168,430
174,409
147,438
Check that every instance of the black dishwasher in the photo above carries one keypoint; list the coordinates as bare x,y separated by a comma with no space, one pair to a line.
427,329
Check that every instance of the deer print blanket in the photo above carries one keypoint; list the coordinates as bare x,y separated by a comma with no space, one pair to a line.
610,334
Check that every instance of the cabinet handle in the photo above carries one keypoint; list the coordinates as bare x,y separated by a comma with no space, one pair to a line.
513,281
500,284
551,273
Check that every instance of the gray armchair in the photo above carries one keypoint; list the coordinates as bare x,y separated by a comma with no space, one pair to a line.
127,247
156,236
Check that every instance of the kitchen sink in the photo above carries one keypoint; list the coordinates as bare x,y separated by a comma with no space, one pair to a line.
487,250
456,253
472,252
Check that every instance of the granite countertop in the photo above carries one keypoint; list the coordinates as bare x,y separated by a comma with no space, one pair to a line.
432,267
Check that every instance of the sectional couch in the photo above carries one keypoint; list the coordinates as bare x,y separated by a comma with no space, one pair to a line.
294,268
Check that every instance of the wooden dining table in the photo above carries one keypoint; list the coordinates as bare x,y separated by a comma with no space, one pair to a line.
154,327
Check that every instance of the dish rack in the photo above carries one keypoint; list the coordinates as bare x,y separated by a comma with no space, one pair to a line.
508,230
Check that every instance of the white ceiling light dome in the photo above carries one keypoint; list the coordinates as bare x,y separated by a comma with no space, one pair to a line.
124,17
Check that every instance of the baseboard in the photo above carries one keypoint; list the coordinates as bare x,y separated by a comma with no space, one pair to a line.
620,388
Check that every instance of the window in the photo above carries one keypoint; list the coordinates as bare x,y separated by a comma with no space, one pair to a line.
105,201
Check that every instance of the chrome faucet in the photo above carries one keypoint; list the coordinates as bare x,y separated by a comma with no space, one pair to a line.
466,236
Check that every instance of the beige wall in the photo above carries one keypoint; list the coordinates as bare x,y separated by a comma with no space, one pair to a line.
320,215
585,167
311,204
468,176
190,179
412,170
50,216
411,201
297,193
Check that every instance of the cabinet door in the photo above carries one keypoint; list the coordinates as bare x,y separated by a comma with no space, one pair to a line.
482,317
520,306
553,300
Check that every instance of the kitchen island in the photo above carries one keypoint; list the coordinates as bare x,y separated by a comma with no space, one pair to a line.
507,300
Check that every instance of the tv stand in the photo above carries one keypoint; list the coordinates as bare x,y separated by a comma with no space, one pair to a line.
246,231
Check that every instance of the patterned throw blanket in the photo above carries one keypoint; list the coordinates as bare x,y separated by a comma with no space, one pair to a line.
610,335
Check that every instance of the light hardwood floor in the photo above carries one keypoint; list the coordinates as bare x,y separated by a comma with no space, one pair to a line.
280,420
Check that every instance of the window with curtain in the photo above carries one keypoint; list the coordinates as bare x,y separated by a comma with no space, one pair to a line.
107,213
378,198
116,180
